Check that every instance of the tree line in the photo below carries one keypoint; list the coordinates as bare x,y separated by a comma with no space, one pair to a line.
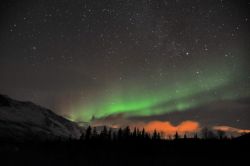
126,133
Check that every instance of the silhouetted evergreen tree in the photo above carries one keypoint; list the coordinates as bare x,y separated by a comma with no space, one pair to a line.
82,137
134,134
185,136
114,135
119,134
126,133
155,135
143,133
176,136
138,133
94,133
88,133
110,134
204,133
104,133
158,135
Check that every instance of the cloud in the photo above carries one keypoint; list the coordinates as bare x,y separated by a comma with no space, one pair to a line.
229,129
220,113
168,129
165,127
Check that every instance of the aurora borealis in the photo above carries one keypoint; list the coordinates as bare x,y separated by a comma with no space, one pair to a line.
128,62
193,90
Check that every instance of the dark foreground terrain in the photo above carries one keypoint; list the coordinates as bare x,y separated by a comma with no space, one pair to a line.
158,152
23,122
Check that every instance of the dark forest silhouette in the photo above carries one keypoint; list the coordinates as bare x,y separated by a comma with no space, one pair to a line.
124,147
109,134
120,134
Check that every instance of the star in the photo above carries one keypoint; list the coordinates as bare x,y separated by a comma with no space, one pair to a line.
34,48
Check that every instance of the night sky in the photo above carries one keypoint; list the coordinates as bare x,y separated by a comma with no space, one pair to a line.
137,61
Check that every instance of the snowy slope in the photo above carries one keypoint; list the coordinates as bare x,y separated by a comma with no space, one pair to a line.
25,120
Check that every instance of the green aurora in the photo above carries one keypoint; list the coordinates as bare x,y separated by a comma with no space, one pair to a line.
189,89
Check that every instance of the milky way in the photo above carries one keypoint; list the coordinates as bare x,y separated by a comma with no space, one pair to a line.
98,58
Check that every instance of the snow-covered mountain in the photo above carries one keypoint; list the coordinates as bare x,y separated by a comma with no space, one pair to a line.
25,120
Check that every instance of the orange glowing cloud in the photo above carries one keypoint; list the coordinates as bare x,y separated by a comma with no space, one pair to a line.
231,129
169,129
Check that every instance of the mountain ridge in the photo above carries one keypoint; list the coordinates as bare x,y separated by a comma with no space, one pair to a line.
26,120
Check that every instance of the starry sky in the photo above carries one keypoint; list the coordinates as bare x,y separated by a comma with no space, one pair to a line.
99,60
